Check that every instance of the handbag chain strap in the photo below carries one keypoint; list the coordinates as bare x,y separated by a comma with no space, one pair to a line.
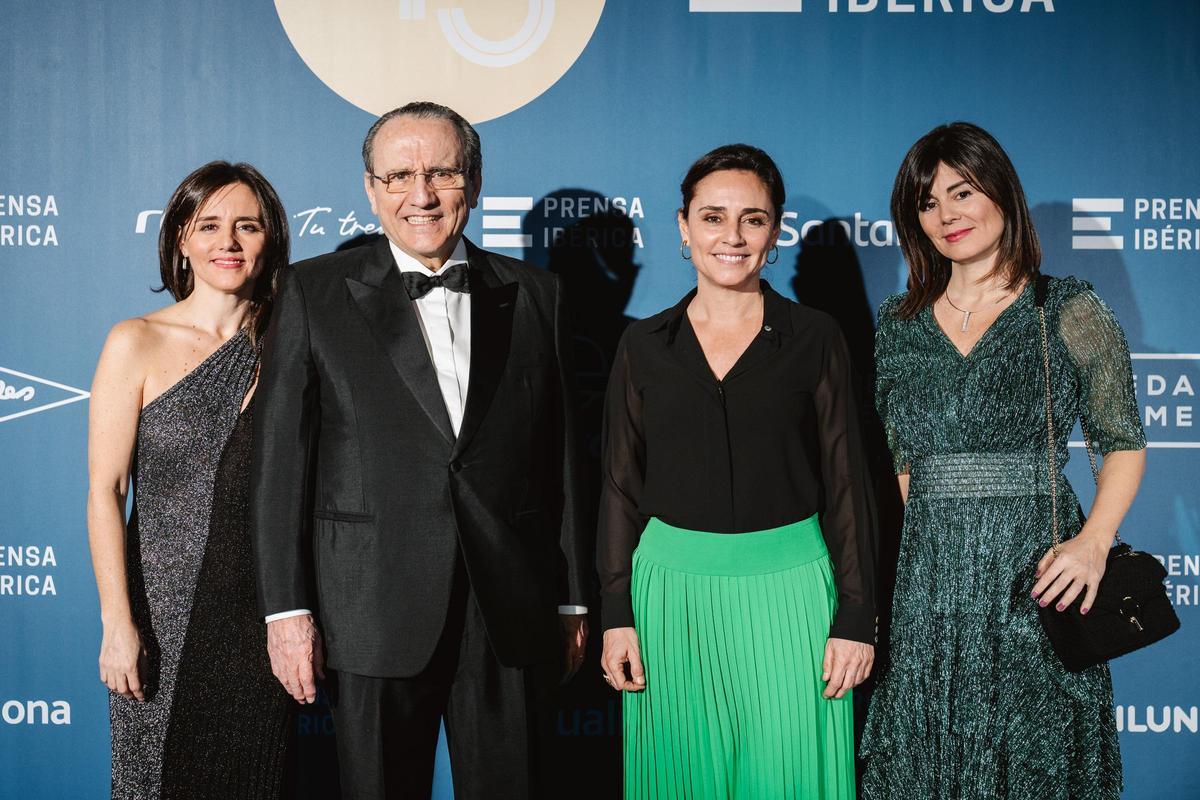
1056,542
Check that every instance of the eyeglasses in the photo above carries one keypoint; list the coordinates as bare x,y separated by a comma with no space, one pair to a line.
405,180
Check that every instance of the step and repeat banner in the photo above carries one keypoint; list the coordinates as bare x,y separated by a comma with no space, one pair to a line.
590,112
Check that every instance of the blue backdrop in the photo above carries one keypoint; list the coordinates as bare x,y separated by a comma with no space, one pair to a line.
583,106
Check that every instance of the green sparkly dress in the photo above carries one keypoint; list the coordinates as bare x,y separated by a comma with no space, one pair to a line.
974,703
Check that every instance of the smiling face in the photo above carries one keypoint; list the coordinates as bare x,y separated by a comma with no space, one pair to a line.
962,222
730,226
424,222
225,239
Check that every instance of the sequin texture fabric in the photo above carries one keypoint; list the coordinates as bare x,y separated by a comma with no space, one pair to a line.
974,703
214,723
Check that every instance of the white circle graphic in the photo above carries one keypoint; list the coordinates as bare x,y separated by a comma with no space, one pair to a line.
483,58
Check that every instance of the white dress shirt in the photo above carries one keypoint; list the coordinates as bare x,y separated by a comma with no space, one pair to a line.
445,319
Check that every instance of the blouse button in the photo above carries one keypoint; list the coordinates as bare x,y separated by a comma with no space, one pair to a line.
767,328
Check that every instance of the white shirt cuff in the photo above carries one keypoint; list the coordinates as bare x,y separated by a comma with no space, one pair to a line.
572,609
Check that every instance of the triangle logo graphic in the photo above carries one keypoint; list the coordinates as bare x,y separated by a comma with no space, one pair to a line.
22,394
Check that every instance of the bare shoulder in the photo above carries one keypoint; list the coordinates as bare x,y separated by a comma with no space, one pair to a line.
134,345
130,339
121,371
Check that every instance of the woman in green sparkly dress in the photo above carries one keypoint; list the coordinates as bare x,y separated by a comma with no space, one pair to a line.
974,703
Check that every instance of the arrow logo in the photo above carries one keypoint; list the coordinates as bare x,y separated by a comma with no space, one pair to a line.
17,392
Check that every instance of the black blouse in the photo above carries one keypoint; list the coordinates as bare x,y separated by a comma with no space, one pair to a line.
774,442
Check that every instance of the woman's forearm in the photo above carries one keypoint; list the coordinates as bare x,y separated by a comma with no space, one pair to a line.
106,537
113,415
1116,486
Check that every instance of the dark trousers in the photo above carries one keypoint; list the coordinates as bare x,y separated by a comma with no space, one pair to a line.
387,728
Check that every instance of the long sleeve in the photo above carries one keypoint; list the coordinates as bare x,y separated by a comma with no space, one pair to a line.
1096,344
848,521
623,464
572,540
285,431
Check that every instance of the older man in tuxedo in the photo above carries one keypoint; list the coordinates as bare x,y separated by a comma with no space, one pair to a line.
413,481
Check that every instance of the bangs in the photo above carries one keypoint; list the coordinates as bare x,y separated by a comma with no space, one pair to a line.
980,160
967,164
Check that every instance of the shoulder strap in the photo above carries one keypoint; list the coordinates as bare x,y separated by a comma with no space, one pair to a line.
1040,286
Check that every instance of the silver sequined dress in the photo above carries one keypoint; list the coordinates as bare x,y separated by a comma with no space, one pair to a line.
215,722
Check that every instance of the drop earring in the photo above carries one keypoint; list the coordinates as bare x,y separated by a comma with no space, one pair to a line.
185,266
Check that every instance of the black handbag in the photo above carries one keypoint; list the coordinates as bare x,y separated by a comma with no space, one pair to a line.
1132,609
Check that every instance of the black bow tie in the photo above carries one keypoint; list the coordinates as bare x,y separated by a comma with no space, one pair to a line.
453,278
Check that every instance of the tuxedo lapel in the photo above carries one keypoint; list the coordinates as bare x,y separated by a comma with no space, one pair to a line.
492,307
384,303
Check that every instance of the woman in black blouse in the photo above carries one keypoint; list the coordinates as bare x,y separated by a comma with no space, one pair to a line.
734,621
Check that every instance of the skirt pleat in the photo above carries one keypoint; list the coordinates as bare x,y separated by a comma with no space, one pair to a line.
732,630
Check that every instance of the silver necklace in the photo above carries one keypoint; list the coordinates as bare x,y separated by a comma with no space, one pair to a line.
967,314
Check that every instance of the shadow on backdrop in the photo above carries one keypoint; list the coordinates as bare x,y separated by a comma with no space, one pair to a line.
829,278
589,244
592,253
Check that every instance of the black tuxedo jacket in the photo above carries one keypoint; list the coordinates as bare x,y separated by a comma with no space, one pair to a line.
362,497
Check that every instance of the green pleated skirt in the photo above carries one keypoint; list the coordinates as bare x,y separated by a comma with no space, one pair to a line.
732,630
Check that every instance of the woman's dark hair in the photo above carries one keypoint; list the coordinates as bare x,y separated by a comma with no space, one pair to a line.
973,153
739,157
191,195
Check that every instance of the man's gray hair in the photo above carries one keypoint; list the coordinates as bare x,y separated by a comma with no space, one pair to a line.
423,109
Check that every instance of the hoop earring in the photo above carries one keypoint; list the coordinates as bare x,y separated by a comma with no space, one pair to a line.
185,266
775,251
685,256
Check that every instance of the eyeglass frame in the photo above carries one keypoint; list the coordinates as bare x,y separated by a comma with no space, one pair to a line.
387,182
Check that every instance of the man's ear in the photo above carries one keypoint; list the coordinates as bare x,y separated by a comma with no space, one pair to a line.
369,189
475,184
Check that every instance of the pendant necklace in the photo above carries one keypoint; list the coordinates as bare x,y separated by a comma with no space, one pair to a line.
967,314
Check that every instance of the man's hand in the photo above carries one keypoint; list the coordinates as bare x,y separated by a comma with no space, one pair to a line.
294,644
575,633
